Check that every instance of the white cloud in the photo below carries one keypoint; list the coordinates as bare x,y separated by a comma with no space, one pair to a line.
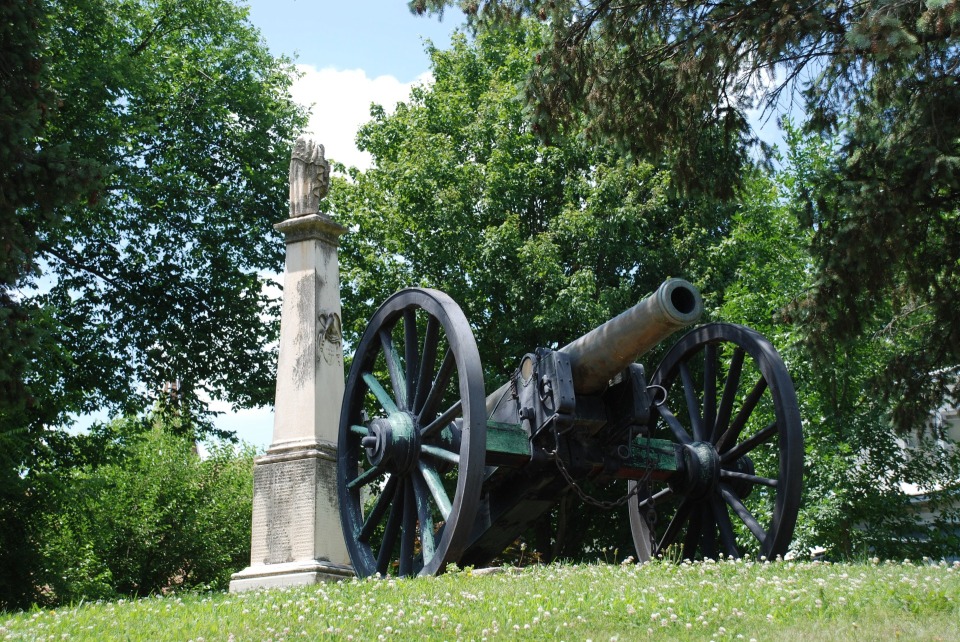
340,101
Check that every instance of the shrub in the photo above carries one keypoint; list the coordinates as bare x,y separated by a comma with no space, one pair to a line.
156,517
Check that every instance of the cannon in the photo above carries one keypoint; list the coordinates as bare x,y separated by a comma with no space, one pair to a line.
707,452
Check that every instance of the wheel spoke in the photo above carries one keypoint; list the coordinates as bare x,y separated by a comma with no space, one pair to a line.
409,531
693,404
678,431
753,479
747,445
692,536
709,389
743,513
440,453
749,404
432,401
432,479
673,528
431,340
397,381
423,495
655,499
729,394
411,345
365,477
708,541
390,533
386,402
727,538
443,420
379,509
359,430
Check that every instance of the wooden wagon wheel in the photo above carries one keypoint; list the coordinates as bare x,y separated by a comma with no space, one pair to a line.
412,438
725,395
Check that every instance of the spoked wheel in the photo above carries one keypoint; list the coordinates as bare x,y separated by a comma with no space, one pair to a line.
412,438
724,393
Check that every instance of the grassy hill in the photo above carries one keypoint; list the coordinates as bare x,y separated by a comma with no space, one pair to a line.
701,601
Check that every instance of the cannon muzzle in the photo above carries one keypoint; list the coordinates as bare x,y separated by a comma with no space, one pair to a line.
604,352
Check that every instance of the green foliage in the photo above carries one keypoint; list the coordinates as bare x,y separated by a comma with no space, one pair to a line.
184,105
155,517
857,470
673,80
540,242
153,275
144,147
36,177
537,242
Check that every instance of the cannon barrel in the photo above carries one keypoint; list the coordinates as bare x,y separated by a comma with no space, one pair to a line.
606,351
601,354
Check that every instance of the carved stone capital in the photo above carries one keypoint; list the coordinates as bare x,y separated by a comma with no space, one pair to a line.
311,227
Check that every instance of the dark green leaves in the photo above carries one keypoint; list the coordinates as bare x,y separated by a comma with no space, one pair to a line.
538,242
671,81
144,147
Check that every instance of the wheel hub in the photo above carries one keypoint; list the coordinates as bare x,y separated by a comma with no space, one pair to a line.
742,487
393,442
703,468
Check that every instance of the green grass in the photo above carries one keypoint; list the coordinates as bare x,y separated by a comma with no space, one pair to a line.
703,601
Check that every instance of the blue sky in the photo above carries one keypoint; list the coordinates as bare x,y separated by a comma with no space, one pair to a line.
381,37
350,54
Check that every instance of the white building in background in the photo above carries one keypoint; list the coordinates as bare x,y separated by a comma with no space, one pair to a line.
929,503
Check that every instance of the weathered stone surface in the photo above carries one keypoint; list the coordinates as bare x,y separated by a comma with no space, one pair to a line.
296,535
309,177
310,368
296,529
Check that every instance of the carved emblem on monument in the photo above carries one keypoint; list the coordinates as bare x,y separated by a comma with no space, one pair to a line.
309,177
330,338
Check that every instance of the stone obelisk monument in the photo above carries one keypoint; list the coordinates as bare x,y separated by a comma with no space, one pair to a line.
296,526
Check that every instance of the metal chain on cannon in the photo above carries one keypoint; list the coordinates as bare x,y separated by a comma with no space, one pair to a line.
642,484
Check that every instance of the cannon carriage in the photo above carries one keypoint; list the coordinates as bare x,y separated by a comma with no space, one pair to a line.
708,450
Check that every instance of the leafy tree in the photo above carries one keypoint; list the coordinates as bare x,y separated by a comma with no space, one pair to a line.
153,517
155,277
144,147
537,242
653,77
533,240
540,241
35,177
855,500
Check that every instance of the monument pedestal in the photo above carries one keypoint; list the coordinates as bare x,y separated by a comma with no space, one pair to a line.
296,536
295,518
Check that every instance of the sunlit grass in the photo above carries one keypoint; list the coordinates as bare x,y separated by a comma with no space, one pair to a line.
702,601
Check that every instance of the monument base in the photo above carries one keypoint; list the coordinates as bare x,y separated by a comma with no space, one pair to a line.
290,574
296,537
